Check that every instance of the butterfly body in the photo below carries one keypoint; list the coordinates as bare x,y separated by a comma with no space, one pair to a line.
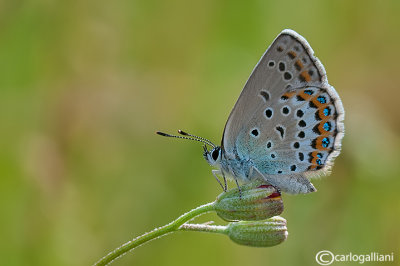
287,123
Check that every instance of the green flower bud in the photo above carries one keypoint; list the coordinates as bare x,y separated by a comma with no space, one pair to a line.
255,202
258,233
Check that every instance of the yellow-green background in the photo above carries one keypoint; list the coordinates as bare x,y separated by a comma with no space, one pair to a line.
85,84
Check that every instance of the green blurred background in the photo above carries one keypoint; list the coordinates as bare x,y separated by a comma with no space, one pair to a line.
85,84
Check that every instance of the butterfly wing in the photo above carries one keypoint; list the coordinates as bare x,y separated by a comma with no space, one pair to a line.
288,119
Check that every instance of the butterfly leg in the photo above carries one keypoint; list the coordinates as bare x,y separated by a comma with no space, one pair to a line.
240,190
215,174
237,183
225,184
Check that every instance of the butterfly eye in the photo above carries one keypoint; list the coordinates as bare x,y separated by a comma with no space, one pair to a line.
215,154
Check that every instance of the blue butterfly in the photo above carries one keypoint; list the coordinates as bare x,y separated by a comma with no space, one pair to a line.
287,125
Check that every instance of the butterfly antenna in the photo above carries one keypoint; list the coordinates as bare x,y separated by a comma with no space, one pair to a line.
194,136
189,138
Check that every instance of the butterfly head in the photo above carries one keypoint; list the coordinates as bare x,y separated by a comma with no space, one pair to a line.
213,157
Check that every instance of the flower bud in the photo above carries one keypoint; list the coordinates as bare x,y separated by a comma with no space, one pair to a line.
254,202
258,233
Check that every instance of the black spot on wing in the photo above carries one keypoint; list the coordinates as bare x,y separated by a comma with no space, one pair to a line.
281,131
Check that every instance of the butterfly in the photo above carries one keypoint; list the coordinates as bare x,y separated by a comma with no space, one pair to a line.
287,125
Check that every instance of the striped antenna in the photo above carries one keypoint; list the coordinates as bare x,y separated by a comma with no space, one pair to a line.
188,137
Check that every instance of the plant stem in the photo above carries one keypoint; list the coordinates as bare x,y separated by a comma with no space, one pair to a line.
203,228
156,233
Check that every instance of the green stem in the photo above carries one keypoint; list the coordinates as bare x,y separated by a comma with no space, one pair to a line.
203,228
158,232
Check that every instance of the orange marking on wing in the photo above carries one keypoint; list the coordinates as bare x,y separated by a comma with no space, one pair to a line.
305,76
299,65
314,158
289,94
322,115
318,144
292,54
322,130
316,102
312,167
319,105
304,95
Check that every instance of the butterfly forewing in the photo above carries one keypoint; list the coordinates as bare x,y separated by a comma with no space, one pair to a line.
288,119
